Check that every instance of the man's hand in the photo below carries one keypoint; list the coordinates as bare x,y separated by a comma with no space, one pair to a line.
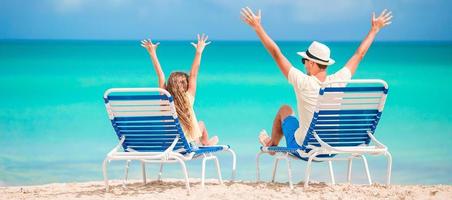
250,18
147,44
202,43
377,23
254,21
381,21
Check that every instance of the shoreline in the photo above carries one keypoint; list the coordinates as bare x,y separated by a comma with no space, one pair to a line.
175,189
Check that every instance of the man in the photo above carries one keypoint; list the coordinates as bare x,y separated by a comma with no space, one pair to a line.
315,59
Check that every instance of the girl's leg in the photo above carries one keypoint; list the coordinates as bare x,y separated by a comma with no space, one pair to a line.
205,135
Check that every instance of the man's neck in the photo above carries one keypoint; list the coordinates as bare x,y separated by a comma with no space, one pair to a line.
321,75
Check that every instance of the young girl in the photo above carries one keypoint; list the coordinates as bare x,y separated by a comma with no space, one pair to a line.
183,89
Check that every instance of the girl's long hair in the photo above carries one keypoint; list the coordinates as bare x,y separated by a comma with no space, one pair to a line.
180,98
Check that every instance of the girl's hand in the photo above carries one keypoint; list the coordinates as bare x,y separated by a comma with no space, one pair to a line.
250,18
147,44
381,21
202,43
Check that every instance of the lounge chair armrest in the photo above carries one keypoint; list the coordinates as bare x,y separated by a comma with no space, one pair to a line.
187,156
171,147
118,146
225,147
312,146
372,137
321,142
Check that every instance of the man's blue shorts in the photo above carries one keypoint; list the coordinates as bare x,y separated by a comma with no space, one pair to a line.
289,125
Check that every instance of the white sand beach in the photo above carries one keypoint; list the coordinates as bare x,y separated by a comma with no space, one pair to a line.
174,189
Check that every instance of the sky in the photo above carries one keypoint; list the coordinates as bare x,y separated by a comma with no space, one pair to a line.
326,20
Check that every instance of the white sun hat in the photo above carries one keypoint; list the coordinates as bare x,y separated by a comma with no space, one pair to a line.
318,53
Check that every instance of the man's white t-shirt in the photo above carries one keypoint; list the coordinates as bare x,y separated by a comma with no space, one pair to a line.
307,91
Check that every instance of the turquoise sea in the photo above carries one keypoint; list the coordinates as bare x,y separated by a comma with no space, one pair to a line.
54,127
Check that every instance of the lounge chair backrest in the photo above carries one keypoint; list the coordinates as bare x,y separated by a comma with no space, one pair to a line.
145,117
344,115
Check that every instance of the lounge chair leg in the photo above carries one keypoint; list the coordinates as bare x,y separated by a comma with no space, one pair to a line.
217,164
389,170
366,167
203,171
143,170
257,166
308,170
330,166
289,171
234,164
275,166
126,173
184,169
349,174
104,170
159,178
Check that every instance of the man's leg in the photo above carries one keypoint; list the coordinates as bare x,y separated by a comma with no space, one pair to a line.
277,133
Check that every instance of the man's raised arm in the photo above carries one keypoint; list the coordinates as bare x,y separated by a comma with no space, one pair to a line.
377,23
255,22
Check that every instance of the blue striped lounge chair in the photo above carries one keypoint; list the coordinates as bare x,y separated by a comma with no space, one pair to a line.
146,124
342,128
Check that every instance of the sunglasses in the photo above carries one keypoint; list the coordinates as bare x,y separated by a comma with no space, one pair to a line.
303,60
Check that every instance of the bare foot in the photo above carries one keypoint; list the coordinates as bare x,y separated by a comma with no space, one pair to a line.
213,141
264,139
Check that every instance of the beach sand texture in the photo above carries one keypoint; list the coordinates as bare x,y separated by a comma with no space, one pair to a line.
175,189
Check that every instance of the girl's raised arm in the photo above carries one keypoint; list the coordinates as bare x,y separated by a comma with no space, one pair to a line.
152,48
202,43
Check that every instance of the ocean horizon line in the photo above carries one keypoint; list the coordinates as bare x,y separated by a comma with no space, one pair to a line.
225,40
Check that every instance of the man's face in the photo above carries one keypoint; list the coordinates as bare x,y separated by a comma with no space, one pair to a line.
307,65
